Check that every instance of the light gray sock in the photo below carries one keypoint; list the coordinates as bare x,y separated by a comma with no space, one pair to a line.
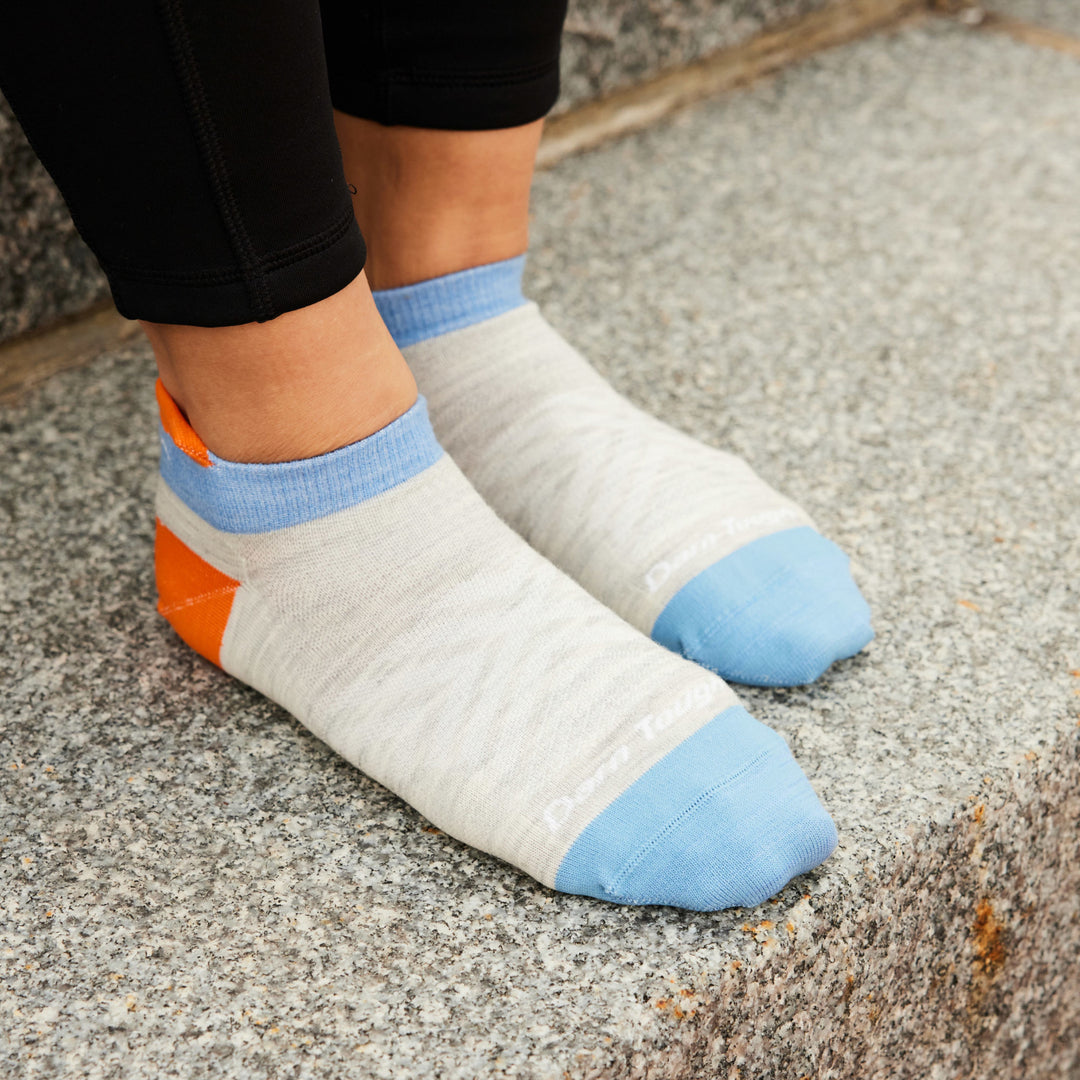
684,541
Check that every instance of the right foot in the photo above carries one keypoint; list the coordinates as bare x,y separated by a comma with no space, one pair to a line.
373,594
683,541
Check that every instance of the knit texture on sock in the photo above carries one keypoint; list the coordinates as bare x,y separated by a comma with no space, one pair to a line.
644,517
374,595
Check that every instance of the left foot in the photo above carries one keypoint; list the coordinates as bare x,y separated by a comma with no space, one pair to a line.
683,541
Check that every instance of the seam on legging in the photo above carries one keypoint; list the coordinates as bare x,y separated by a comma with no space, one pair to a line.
206,135
311,245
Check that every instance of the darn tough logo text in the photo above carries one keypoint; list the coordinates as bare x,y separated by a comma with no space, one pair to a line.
648,727
661,571
696,697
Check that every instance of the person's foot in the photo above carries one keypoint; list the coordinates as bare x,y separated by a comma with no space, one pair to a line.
373,594
683,541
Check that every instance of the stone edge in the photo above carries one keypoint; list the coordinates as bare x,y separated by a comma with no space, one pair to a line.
961,959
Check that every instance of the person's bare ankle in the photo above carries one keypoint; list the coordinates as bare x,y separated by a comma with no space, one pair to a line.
417,224
303,384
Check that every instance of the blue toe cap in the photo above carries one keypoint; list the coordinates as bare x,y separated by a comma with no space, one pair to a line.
726,819
777,612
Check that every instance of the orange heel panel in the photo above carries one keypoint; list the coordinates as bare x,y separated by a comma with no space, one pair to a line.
194,596
178,429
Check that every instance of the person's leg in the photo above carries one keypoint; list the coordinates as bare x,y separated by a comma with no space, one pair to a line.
438,111
303,384
683,541
170,129
432,202
362,583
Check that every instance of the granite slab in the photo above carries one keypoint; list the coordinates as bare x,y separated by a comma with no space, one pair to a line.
612,44
1061,15
46,271
860,275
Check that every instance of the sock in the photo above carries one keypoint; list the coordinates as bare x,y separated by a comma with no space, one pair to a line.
374,595
683,541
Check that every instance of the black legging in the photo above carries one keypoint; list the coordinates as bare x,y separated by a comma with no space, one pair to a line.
193,140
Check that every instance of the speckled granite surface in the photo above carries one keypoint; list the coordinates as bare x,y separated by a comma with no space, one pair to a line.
46,271
859,274
610,44
1061,15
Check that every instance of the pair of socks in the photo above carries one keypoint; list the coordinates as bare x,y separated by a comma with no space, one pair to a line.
378,597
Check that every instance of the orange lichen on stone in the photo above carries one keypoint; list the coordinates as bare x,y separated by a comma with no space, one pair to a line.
979,813
762,927
988,938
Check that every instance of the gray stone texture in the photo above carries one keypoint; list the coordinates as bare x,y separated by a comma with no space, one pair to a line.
859,274
1061,15
611,44
46,271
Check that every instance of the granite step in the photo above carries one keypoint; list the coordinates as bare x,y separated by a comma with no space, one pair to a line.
859,274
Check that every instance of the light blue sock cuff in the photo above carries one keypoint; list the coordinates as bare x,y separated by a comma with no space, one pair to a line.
252,498
415,313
